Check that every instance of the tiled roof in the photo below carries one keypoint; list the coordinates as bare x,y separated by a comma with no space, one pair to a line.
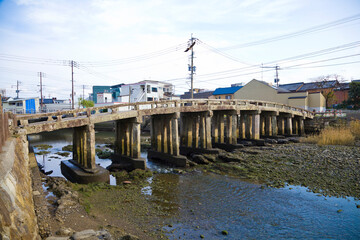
291,86
315,85
197,95
228,90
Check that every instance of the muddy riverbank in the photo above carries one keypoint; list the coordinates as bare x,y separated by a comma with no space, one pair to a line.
244,193
326,170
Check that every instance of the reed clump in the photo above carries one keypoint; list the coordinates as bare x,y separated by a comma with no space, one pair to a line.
355,128
344,135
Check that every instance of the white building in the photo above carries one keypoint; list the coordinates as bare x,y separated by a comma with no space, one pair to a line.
104,97
22,105
146,91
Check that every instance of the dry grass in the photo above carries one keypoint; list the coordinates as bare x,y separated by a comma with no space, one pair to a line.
355,128
333,136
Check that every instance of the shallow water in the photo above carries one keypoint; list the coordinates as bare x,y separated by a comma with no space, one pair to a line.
205,204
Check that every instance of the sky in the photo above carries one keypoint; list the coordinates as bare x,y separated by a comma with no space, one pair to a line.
127,41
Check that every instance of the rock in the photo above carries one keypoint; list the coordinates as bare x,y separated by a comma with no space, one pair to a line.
202,236
283,141
36,193
271,141
259,142
129,237
210,157
246,143
57,238
65,231
224,232
200,159
191,163
339,211
294,140
86,234
104,235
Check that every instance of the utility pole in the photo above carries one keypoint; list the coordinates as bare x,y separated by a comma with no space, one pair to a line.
17,88
41,75
192,42
72,84
277,68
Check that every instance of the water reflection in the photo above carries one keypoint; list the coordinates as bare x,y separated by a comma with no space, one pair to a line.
205,204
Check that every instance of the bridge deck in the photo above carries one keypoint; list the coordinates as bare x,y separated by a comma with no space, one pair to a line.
35,123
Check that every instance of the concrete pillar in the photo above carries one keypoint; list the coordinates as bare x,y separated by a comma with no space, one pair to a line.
248,126
127,142
189,132
301,127
242,128
202,131
255,126
221,128
166,134
174,136
289,125
234,129
208,118
281,125
295,124
84,146
268,125
262,125
274,125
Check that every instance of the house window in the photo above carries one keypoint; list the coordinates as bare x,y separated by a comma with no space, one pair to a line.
228,97
106,99
148,89
154,89
149,99
19,104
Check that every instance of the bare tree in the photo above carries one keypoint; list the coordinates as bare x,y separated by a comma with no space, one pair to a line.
326,84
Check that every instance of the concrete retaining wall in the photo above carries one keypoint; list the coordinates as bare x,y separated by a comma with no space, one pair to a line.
17,215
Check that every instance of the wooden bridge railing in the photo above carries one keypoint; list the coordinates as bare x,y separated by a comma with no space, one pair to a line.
58,116
4,125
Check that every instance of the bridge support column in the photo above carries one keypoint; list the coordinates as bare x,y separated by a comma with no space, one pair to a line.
83,169
281,125
289,125
268,126
274,125
262,125
165,139
195,133
301,127
127,145
84,146
242,126
225,129
255,127
270,123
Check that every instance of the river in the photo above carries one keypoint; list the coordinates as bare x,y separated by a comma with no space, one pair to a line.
208,203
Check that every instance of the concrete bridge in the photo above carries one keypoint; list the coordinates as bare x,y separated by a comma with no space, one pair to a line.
177,127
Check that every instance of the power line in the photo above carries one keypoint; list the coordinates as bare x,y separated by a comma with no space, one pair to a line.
298,33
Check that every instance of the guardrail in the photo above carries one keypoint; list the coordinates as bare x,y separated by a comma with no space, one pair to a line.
4,126
330,113
24,119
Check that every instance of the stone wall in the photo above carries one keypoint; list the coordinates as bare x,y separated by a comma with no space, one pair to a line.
17,215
